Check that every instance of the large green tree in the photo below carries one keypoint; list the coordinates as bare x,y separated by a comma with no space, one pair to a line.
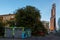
29,17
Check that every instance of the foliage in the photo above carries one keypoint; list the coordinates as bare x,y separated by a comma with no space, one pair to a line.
1,29
39,28
29,17
11,23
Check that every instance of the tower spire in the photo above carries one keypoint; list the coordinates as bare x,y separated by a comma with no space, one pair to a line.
53,18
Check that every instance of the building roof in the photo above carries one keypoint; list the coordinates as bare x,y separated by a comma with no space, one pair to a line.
6,15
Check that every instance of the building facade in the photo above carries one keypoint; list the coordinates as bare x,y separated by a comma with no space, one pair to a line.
7,17
46,24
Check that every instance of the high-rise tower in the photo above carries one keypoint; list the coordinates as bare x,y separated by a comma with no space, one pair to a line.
53,18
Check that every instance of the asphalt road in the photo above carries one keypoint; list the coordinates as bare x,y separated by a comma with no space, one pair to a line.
48,37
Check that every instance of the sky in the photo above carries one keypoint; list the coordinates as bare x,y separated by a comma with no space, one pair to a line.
10,6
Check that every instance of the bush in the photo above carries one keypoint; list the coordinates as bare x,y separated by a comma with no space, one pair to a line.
39,30
1,29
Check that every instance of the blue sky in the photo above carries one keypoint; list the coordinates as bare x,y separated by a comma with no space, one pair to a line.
10,6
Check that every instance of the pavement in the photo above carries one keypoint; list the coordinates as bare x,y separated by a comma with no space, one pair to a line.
47,37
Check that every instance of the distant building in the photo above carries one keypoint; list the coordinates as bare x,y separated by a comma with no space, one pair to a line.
46,24
59,24
7,17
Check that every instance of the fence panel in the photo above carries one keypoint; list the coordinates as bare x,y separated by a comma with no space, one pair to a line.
17,32
8,32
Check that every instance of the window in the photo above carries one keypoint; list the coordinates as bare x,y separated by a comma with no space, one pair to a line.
12,16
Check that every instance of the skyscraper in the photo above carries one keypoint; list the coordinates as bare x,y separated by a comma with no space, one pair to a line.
53,18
